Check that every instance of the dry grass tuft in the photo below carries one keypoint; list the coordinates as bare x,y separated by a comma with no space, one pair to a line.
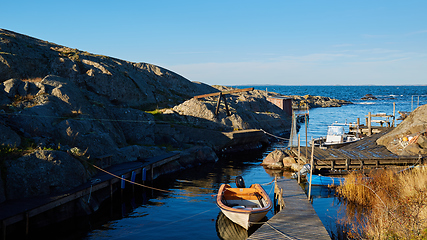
394,206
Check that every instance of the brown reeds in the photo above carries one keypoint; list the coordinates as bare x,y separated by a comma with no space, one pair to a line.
387,205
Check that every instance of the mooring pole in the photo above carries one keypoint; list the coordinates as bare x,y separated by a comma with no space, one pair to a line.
394,112
369,124
311,172
299,149
306,137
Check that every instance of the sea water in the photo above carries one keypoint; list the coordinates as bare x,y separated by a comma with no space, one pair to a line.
189,211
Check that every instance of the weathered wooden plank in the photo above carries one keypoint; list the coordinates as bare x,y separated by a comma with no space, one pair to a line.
297,220
223,93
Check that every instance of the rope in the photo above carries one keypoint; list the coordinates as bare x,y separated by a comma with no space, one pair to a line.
286,139
280,232
138,184
266,184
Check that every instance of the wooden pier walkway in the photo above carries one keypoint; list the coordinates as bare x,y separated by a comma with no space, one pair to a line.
15,211
364,153
297,220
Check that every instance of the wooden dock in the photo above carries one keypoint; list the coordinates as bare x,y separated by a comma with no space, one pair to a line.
23,210
297,219
362,154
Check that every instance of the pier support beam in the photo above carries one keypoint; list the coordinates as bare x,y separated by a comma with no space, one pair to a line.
347,164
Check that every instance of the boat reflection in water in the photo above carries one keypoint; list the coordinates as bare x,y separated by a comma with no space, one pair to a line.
228,230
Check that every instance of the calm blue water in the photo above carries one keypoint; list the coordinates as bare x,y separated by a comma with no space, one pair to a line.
190,212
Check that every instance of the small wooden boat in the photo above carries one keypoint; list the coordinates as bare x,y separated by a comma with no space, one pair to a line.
242,205
325,180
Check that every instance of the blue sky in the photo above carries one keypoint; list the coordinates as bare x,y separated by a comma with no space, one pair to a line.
286,42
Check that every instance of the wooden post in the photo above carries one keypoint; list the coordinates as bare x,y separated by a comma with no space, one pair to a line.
394,112
299,149
217,104
357,127
361,164
333,165
347,164
311,171
132,179
226,105
306,137
366,123
275,195
144,175
122,186
281,199
369,124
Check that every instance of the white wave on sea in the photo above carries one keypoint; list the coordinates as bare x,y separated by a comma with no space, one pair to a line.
366,103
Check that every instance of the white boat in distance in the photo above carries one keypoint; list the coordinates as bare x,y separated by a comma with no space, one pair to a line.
335,138
242,205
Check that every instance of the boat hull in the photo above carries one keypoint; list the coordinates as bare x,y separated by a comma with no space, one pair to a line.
325,180
244,206
320,142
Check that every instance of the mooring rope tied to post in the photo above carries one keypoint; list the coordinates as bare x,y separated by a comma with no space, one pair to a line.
286,139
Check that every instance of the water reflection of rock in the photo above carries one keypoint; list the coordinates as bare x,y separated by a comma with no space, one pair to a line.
227,229
206,178
278,173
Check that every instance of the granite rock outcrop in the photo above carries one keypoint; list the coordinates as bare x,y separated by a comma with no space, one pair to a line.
409,137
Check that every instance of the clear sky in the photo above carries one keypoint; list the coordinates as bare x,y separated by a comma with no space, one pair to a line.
286,42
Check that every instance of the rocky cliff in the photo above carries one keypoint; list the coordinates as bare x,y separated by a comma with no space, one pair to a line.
54,99
118,82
